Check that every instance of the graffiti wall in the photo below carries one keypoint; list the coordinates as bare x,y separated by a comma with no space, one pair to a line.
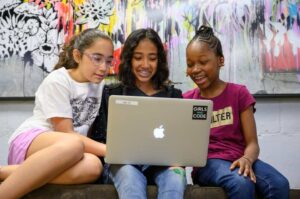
261,39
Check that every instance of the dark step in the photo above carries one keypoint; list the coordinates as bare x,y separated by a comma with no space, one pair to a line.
91,191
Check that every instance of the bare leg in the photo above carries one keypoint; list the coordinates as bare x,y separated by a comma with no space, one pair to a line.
88,169
49,156
85,171
5,171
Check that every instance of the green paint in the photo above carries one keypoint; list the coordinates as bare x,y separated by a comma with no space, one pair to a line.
179,171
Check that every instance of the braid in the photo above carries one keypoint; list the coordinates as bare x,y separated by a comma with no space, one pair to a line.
206,34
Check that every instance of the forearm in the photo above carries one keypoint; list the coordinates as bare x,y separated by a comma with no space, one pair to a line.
92,146
251,152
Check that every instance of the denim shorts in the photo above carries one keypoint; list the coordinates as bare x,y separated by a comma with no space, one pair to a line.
19,146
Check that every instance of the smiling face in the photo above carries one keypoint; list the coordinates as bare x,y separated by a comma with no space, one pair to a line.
144,62
94,62
203,65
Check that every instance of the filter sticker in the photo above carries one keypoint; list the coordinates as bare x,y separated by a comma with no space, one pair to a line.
127,102
199,112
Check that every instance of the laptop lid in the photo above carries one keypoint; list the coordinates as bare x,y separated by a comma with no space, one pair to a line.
158,131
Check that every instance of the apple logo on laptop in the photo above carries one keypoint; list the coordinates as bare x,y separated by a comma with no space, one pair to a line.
159,132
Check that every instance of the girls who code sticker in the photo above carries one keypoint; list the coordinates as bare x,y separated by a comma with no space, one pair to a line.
199,112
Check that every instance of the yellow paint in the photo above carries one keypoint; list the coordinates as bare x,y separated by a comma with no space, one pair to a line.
48,5
133,5
187,25
76,30
103,27
128,16
112,22
76,8
79,2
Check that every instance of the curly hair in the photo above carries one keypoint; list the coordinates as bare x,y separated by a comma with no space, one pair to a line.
81,42
126,75
206,34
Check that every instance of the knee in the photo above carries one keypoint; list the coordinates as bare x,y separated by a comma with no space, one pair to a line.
245,183
129,181
128,175
126,171
175,178
94,167
240,184
177,175
281,183
275,186
71,147
171,183
91,170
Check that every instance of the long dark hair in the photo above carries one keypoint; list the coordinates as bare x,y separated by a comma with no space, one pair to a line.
206,34
126,75
81,42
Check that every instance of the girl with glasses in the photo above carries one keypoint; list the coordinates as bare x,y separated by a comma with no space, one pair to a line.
52,146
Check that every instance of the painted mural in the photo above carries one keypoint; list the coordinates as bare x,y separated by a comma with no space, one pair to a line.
261,38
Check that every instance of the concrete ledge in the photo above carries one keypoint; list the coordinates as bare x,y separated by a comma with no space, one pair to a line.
91,191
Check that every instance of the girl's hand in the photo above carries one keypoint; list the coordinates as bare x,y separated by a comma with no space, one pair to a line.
245,166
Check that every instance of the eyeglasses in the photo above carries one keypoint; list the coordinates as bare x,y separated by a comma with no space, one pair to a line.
100,59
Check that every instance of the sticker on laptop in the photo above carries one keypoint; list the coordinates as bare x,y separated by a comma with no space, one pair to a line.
127,102
199,112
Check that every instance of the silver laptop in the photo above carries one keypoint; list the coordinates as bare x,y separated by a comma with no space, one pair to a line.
158,131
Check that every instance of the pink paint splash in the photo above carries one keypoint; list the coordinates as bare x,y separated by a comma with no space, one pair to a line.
65,18
286,60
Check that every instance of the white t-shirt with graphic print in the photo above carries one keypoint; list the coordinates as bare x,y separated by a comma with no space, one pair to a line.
61,96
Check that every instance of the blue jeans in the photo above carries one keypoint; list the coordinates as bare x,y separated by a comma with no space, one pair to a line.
269,182
131,181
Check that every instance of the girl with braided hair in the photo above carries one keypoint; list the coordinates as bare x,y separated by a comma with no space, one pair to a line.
52,146
233,148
